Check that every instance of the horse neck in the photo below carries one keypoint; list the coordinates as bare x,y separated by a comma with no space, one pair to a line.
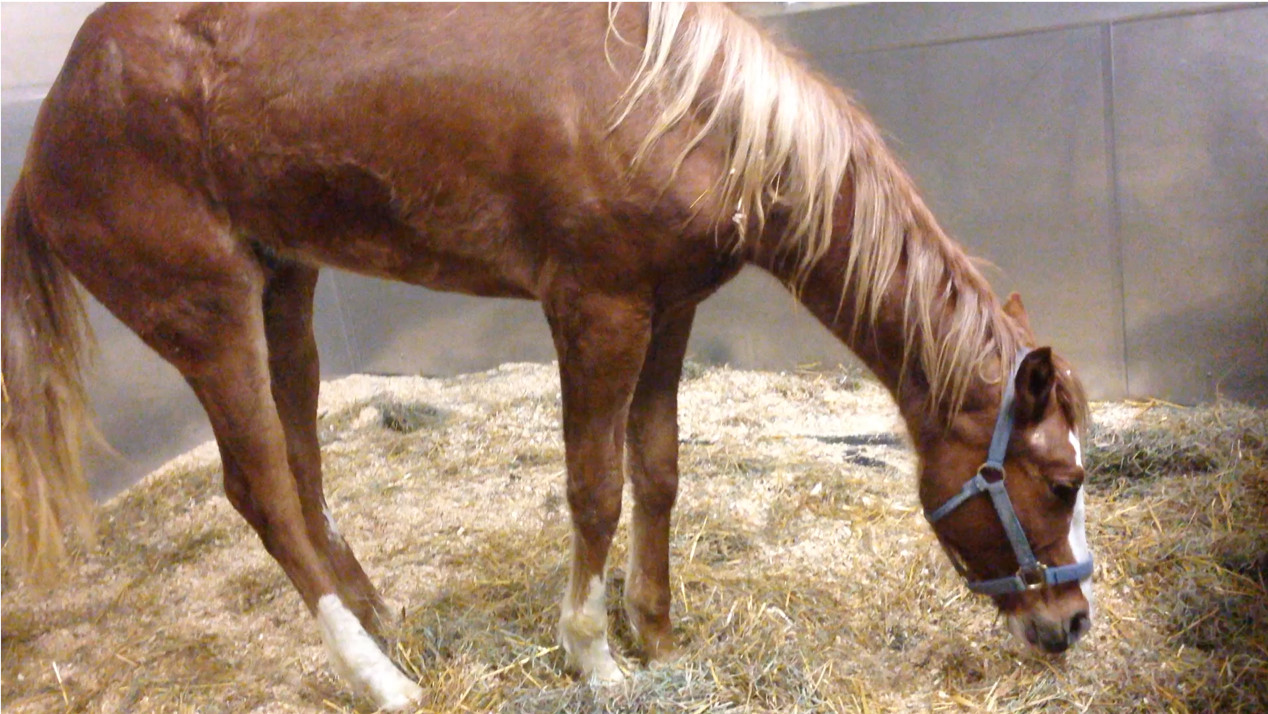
886,343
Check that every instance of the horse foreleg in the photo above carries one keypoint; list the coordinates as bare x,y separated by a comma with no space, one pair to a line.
296,380
601,342
652,465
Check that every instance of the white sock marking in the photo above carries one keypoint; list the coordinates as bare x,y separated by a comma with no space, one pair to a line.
1078,527
358,659
584,635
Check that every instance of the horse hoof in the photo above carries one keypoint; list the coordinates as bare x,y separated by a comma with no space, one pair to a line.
663,656
359,660
406,696
659,648
607,674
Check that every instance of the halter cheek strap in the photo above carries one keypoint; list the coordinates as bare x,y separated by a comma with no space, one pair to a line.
989,479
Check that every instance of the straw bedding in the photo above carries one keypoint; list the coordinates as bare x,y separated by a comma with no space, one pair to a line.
805,578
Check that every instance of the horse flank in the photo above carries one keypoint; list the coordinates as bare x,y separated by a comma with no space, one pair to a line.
794,141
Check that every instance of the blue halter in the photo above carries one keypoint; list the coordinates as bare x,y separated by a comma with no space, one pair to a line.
1031,574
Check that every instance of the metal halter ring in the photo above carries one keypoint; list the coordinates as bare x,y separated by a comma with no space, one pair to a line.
1035,577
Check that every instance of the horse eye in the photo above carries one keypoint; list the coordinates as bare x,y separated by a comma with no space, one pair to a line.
1065,491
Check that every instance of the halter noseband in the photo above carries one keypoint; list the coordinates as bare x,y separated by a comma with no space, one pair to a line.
1031,574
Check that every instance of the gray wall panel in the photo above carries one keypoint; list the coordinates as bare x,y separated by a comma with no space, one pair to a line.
394,328
1191,101
865,27
754,323
144,409
330,328
1006,139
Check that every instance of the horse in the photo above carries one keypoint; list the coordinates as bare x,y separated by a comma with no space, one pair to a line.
194,167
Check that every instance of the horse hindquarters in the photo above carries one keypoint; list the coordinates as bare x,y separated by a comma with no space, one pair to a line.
163,258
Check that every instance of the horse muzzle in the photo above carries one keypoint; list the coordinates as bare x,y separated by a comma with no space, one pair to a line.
1048,634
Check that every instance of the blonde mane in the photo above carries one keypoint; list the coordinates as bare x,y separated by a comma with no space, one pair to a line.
795,141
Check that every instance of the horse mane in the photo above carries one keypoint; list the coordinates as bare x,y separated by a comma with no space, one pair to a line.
1072,399
795,140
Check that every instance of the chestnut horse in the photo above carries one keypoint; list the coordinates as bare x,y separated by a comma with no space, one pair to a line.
193,167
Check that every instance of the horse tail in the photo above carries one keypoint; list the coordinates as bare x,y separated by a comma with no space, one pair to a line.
47,343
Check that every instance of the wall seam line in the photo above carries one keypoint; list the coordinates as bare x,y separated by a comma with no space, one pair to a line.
1115,217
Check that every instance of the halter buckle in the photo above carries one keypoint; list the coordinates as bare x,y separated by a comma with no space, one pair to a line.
991,473
1035,577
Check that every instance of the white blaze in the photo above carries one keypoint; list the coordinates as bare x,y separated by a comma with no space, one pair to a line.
1078,527
358,659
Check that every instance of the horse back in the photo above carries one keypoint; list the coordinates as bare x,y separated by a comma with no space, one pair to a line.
463,147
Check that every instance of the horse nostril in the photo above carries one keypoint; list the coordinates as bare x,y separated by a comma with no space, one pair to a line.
1054,639
1056,645
1032,633
1080,624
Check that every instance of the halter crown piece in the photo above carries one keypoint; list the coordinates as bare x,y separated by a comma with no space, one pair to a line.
1031,574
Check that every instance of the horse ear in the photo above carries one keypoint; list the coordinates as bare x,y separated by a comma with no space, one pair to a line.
1033,387
1014,309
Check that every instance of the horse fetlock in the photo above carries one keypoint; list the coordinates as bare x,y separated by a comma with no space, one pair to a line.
657,640
357,658
651,626
591,658
381,622
584,637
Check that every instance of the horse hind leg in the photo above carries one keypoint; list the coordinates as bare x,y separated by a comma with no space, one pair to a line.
295,378
194,293
116,181
235,386
235,390
352,610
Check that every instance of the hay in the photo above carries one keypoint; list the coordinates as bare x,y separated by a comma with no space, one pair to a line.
805,578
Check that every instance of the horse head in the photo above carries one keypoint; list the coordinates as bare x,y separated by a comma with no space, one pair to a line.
1012,522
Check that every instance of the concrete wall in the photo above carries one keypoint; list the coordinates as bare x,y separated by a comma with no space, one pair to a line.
1108,159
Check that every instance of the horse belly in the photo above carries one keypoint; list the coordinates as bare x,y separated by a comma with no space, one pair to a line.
347,218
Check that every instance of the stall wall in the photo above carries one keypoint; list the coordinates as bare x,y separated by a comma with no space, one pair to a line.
1111,161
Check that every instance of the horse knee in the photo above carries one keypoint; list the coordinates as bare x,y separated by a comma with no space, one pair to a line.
596,505
656,486
653,460
659,494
